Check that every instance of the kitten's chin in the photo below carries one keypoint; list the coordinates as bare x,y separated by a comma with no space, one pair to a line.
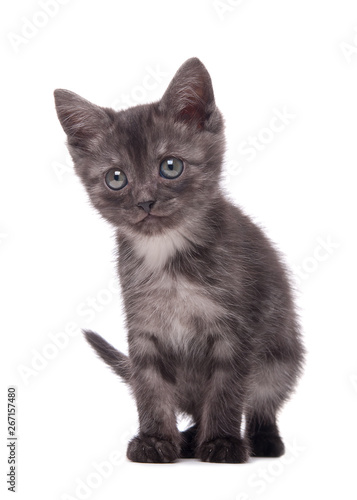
152,224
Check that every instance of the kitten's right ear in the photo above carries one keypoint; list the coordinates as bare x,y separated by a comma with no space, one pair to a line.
81,120
189,97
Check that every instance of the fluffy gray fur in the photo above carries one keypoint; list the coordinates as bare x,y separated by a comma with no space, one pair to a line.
212,329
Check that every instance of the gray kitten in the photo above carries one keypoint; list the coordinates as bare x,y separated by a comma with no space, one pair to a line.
212,329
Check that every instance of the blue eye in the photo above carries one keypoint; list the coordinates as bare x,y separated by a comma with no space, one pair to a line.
115,179
171,168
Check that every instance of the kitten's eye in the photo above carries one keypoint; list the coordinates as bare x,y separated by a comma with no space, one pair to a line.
115,179
171,168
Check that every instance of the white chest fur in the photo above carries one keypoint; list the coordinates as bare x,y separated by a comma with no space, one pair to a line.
165,305
157,250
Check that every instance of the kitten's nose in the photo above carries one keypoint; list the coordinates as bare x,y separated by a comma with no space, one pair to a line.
146,205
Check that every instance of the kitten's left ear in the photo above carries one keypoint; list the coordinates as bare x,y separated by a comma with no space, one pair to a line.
81,120
189,96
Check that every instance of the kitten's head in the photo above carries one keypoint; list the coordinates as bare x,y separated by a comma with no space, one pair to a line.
151,167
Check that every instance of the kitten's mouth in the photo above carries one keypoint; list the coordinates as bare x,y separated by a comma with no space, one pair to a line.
149,218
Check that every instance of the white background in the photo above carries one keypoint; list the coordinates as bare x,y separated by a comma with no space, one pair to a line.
57,255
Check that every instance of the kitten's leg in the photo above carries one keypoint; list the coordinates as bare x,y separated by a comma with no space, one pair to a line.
219,436
269,389
158,439
264,436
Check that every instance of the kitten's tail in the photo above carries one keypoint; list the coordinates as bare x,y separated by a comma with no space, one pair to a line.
117,361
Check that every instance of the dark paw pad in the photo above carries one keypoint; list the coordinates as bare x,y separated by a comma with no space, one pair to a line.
267,445
150,449
224,450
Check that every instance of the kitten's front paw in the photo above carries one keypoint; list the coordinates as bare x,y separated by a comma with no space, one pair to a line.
224,450
150,449
267,445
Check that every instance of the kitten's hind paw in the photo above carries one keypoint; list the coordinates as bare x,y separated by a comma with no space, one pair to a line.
151,449
224,450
